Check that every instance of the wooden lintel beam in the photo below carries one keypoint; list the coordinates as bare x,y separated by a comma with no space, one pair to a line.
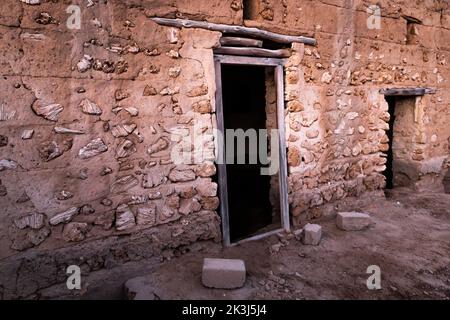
407,91
231,29
240,42
253,52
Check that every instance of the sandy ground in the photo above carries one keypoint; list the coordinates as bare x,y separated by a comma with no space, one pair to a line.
409,241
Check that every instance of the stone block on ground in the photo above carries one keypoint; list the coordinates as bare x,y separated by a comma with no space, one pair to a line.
353,221
312,233
223,273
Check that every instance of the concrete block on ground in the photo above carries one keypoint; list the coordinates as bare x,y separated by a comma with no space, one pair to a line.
353,221
139,288
223,273
312,233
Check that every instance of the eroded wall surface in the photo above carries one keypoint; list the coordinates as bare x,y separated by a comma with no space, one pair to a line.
91,116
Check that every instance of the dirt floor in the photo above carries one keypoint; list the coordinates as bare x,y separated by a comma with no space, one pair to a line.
409,241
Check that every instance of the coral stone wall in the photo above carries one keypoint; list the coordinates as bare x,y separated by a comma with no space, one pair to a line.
337,119
90,119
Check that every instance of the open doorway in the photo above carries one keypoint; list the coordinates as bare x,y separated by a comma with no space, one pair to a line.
249,101
401,171
244,107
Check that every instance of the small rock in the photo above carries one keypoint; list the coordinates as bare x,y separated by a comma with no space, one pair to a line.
203,106
124,218
45,18
174,72
160,145
7,164
198,91
63,216
132,111
89,107
64,195
124,183
106,202
23,198
121,95
312,234
188,206
36,237
27,134
63,130
74,231
181,175
105,171
49,150
92,149
85,63
146,215
275,248
32,2
125,148
49,112
206,169
122,130
83,175
33,221
149,91
173,54
207,189
87,209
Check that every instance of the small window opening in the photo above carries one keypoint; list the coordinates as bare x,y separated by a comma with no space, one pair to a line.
412,30
250,9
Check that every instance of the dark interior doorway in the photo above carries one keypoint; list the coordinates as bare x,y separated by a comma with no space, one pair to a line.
401,168
389,172
244,102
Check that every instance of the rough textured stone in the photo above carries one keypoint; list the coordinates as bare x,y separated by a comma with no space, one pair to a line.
64,216
74,231
353,221
124,218
50,111
181,175
33,221
27,134
89,107
223,273
146,215
93,148
312,233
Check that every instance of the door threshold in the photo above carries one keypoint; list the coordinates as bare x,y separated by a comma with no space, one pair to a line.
257,237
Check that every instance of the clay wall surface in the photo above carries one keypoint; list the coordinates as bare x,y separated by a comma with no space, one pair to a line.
90,119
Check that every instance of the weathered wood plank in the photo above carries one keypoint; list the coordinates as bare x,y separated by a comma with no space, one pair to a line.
254,52
257,61
282,171
221,163
407,91
258,236
241,42
224,28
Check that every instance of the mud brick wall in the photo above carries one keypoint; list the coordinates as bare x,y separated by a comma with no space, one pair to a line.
87,120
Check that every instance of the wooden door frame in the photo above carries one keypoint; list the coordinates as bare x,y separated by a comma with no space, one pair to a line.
278,65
